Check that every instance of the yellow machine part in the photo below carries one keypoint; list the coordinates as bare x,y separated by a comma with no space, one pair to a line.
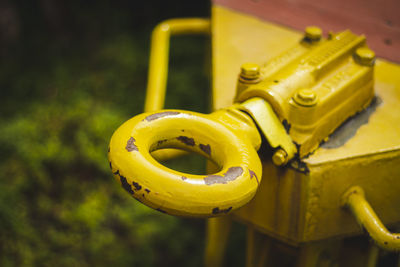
302,203
227,137
316,85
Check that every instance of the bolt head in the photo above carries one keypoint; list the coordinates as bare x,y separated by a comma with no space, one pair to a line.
280,157
313,33
364,56
305,97
250,71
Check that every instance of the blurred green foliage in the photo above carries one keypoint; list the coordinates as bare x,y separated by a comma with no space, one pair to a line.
70,75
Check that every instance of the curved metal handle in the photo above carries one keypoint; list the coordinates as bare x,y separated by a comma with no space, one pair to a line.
158,65
227,137
355,200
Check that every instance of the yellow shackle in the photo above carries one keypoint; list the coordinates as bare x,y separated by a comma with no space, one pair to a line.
227,137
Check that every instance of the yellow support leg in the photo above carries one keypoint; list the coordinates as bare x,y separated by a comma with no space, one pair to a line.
218,230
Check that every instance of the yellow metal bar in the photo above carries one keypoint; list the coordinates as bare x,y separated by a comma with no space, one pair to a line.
218,230
265,117
355,200
158,66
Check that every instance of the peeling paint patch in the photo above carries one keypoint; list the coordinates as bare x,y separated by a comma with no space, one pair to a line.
206,149
116,173
110,165
183,178
253,174
126,185
130,145
156,116
186,140
349,128
220,211
159,143
137,186
230,175
147,190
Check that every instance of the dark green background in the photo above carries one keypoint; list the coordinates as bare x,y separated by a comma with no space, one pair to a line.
70,73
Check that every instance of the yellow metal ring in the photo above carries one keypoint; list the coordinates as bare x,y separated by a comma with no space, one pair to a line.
175,192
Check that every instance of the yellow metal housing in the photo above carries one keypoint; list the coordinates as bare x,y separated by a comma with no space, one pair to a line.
316,85
302,203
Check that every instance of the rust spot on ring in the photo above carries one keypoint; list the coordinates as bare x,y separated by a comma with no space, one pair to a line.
219,211
253,174
131,146
206,149
147,190
230,175
183,178
156,116
137,186
186,140
126,185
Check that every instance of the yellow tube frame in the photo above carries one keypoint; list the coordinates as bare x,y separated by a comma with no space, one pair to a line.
355,200
158,66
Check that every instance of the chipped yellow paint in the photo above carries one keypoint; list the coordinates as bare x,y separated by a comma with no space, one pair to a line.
301,202
227,137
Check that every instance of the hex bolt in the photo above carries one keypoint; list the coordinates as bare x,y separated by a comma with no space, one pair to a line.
364,56
305,97
250,72
313,33
280,157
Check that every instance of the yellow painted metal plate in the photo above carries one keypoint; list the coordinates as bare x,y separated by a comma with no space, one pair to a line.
239,38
